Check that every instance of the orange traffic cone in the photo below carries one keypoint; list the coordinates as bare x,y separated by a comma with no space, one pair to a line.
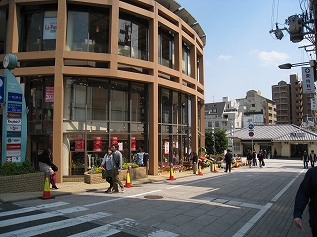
171,173
128,180
200,171
47,192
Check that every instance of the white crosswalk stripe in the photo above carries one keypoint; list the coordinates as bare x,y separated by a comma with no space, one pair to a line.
23,219
34,227
36,208
41,229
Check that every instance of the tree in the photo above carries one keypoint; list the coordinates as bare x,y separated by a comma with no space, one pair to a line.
221,141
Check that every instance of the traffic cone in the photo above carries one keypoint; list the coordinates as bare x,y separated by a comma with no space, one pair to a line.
246,163
171,173
215,168
47,192
200,171
128,180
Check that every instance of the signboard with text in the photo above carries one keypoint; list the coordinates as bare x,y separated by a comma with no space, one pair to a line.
308,80
14,122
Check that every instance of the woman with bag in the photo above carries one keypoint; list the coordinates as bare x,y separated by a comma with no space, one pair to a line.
107,166
46,165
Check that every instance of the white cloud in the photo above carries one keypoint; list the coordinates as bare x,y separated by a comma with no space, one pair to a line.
270,58
225,57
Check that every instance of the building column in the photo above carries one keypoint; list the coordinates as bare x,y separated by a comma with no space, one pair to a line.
153,99
194,124
12,29
59,91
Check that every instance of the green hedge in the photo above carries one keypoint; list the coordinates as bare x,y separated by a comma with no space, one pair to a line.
10,168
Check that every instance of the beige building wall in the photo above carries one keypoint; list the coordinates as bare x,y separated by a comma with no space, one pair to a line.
157,15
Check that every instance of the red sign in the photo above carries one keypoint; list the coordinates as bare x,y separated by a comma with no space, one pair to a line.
114,140
13,146
49,94
133,144
97,144
79,144
14,115
251,134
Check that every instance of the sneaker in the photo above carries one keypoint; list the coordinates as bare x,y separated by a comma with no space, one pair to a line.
108,190
54,187
122,189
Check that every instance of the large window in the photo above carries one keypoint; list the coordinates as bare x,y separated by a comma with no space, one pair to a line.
3,30
186,60
133,37
88,30
166,48
40,98
86,96
38,27
119,101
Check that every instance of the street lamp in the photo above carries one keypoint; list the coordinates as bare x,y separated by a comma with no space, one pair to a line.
312,63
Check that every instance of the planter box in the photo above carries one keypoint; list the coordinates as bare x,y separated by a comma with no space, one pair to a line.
136,173
33,182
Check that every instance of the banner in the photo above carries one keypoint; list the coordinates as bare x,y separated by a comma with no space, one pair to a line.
308,80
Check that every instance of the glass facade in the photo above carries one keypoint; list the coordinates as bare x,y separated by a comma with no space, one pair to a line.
38,28
87,29
3,30
174,128
166,48
106,110
133,37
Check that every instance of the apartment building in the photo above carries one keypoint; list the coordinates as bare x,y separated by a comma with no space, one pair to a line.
292,105
256,109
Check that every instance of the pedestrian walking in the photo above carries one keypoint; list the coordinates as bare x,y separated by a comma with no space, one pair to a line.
228,159
307,193
261,159
117,166
275,153
312,158
107,166
140,157
305,160
254,158
250,158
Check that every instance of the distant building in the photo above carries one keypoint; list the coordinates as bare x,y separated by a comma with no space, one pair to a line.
292,105
223,115
256,109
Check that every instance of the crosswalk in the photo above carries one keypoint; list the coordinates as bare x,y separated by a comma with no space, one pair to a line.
53,220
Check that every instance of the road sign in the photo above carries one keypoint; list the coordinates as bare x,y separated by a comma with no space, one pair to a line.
1,90
251,126
251,134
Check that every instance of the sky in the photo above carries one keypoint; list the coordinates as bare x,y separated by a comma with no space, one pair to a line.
240,53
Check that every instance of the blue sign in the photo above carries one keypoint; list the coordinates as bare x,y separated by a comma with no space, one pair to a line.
13,134
1,90
14,107
251,126
16,97
251,134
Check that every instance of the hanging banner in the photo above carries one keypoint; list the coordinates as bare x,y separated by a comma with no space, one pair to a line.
97,144
79,144
49,94
308,80
133,144
114,140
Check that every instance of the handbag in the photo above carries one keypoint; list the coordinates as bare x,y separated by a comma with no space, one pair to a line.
54,167
103,174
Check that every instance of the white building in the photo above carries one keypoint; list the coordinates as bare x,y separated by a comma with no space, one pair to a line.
223,115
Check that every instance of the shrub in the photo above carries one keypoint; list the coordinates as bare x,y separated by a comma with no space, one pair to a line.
10,168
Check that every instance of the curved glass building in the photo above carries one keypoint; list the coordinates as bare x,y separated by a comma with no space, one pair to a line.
98,72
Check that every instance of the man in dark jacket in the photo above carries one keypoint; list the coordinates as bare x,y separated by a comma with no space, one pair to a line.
307,192
228,159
